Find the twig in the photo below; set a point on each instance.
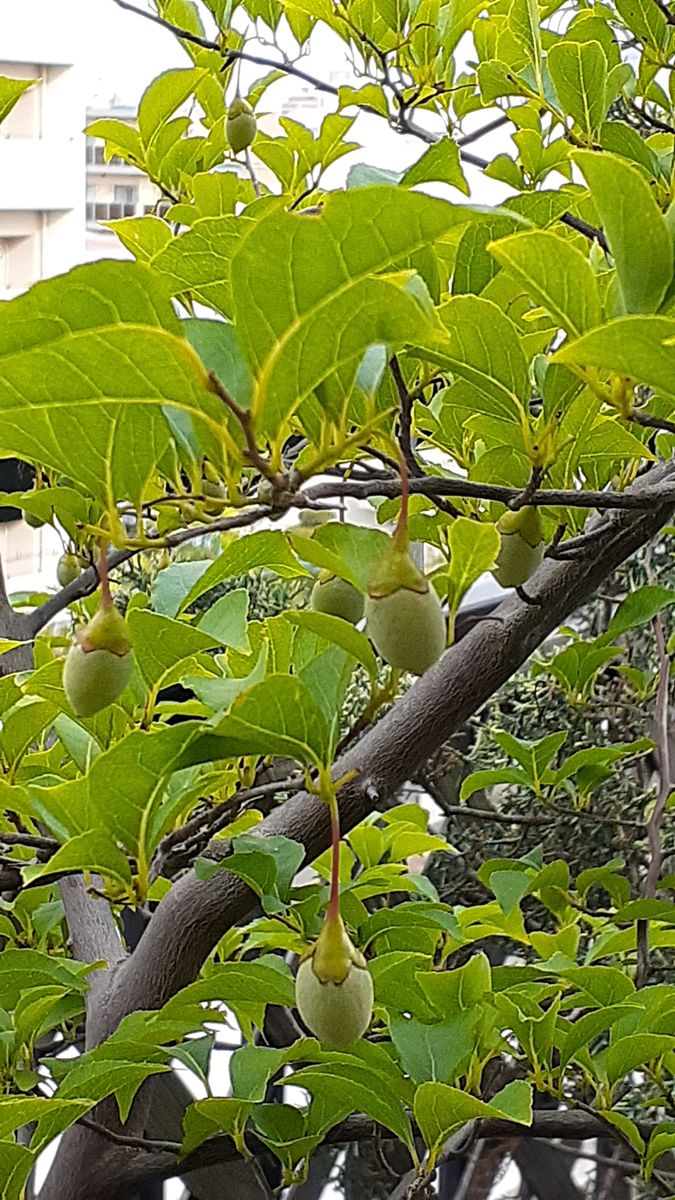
(151, 1145)
(467, 138)
(603, 1160)
(207, 44)
(432, 486)
(244, 418)
(29, 839)
(650, 422)
(588, 231)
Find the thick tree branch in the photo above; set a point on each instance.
(93, 936)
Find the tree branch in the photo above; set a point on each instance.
(572, 1125)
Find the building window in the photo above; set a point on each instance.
(125, 194)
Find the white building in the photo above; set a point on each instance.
(42, 209)
(42, 158)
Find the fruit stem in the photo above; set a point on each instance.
(327, 792)
(400, 537)
(106, 598)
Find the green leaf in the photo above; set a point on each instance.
(89, 361)
(360, 1089)
(632, 1052)
(267, 548)
(640, 347)
(267, 864)
(160, 643)
(638, 237)
(473, 550)
(92, 851)
(279, 716)
(434, 1053)
(441, 1110)
(144, 237)
(50, 1116)
(579, 74)
(636, 609)
(205, 1119)
(478, 780)
(226, 621)
(483, 348)
(440, 162)
(217, 345)
(12, 90)
(161, 99)
(556, 275)
(300, 326)
(342, 633)
(16, 1164)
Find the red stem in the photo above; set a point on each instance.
(106, 598)
(401, 531)
(333, 910)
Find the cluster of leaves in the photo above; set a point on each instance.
(525, 345)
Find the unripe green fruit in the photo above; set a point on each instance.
(98, 665)
(67, 569)
(215, 490)
(405, 621)
(240, 127)
(407, 628)
(32, 520)
(522, 546)
(336, 1013)
(337, 597)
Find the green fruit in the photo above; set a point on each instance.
(522, 546)
(337, 597)
(98, 665)
(215, 490)
(240, 126)
(68, 569)
(32, 520)
(336, 1013)
(333, 988)
(405, 621)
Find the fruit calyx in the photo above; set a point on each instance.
(107, 630)
(334, 954)
(525, 521)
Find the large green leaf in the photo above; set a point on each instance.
(579, 74)
(89, 361)
(638, 236)
(640, 347)
(161, 644)
(267, 548)
(310, 297)
(279, 716)
(441, 1110)
(556, 276)
(483, 349)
